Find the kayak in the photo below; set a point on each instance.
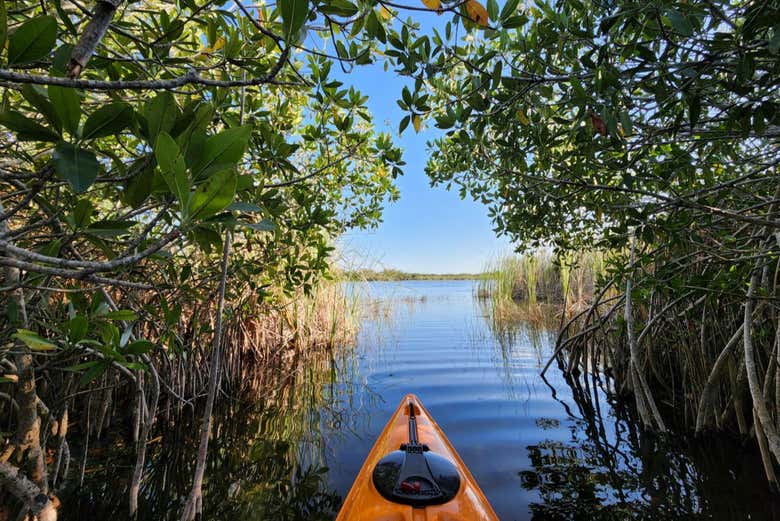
(414, 474)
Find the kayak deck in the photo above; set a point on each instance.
(365, 503)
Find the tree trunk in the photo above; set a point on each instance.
(194, 505)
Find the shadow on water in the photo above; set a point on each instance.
(610, 469)
(263, 461)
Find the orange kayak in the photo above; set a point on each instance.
(413, 474)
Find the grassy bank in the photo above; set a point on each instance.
(541, 278)
(393, 275)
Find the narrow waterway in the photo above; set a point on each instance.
(540, 449)
(553, 449)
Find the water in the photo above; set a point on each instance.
(552, 449)
(539, 449)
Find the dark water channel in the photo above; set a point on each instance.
(540, 449)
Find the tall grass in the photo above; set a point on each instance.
(388, 274)
(284, 328)
(541, 278)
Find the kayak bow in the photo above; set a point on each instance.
(413, 474)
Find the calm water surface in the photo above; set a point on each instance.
(539, 449)
(550, 449)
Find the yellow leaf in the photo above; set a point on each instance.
(33, 341)
(220, 43)
(385, 13)
(432, 4)
(416, 123)
(477, 12)
(522, 117)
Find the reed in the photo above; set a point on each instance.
(541, 278)
(388, 274)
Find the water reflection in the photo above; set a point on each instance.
(556, 449)
(610, 469)
(264, 456)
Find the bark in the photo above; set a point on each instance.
(710, 388)
(27, 439)
(644, 397)
(92, 35)
(151, 412)
(756, 391)
(191, 77)
(36, 503)
(194, 505)
(766, 457)
(62, 431)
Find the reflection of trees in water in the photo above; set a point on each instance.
(611, 470)
(519, 334)
(261, 463)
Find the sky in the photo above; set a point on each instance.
(428, 230)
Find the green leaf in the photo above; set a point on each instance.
(404, 123)
(33, 341)
(241, 206)
(82, 213)
(294, 13)
(67, 106)
(77, 328)
(492, 9)
(36, 97)
(625, 121)
(774, 43)
(61, 59)
(161, 113)
(207, 239)
(33, 40)
(510, 9)
(339, 8)
(110, 228)
(139, 187)
(222, 151)
(374, 27)
(172, 168)
(514, 22)
(121, 314)
(139, 347)
(108, 120)
(95, 371)
(81, 366)
(26, 129)
(135, 366)
(266, 225)
(214, 196)
(680, 22)
(79, 167)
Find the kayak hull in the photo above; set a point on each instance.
(365, 503)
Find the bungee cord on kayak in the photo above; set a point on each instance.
(414, 475)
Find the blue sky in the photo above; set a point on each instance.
(428, 230)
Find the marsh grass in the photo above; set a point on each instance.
(277, 333)
(388, 274)
(538, 280)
